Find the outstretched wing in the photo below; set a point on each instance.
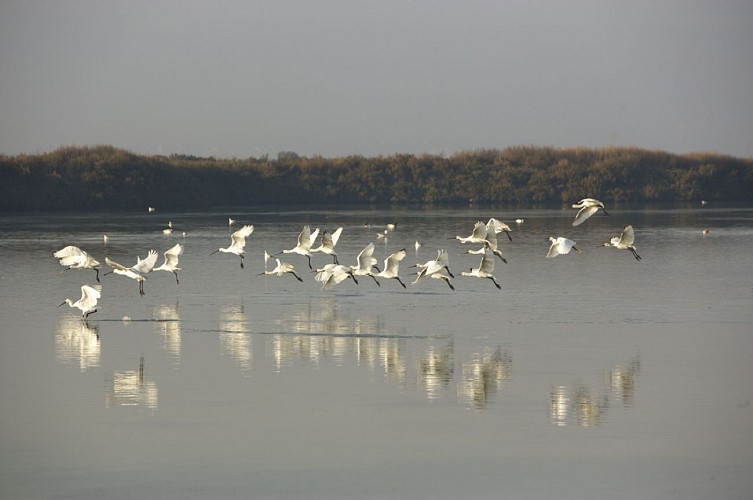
(146, 265)
(583, 214)
(365, 259)
(497, 226)
(114, 264)
(70, 256)
(335, 236)
(238, 238)
(392, 263)
(628, 236)
(171, 255)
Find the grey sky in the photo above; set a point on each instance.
(335, 77)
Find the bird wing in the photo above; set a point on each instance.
(89, 294)
(68, 251)
(392, 263)
(487, 263)
(171, 255)
(491, 240)
(238, 238)
(336, 236)
(442, 259)
(479, 231)
(565, 245)
(304, 237)
(312, 238)
(497, 226)
(71, 256)
(147, 264)
(628, 236)
(365, 258)
(553, 249)
(115, 265)
(583, 214)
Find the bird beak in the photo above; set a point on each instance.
(214, 252)
(62, 304)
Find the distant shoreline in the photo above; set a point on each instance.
(104, 177)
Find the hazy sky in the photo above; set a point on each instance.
(335, 77)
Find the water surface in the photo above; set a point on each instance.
(588, 375)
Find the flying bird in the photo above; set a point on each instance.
(588, 207)
(282, 268)
(497, 227)
(132, 272)
(625, 241)
(74, 258)
(332, 274)
(391, 267)
(237, 242)
(305, 239)
(328, 242)
(560, 246)
(171, 261)
(484, 270)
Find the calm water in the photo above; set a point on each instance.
(587, 376)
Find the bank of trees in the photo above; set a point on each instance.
(75, 178)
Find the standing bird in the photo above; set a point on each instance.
(74, 258)
(625, 241)
(237, 242)
(171, 261)
(560, 246)
(484, 270)
(366, 262)
(588, 207)
(329, 240)
(88, 301)
(282, 268)
(305, 239)
(391, 267)
(127, 272)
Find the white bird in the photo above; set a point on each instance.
(169, 228)
(332, 274)
(588, 207)
(237, 242)
(88, 301)
(74, 258)
(230, 221)
(151, 209)
(366, 262)
(128, 272)
(477, 236)
(417, 245)
(484, 270)
(491, 244)
(105, 238)
(560, 246)
(435, 269)
(391, 267)
(328, 243)
(146, 265)
(625, 241)
(519, 221)
(391, 227)
(498, 227)
(171, 261)
(305, 239)
(282, 268)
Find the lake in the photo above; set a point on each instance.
(587, 376)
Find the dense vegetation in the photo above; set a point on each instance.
(75, 178)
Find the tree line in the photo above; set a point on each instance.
(105, 177)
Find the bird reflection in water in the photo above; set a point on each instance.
(483, 376)
(589, 406)
(234, 335)
(436, 369)
(622, 380)
(168, 325)
(76, 342)
(133, 388)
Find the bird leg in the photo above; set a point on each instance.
(375, 280)
(495, 282)
(141, 288)
(635, 254)
(400, 281)
(296, 276)
(97, 271)
(241, 261)
(176, 278)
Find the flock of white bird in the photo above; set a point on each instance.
(485, 234)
